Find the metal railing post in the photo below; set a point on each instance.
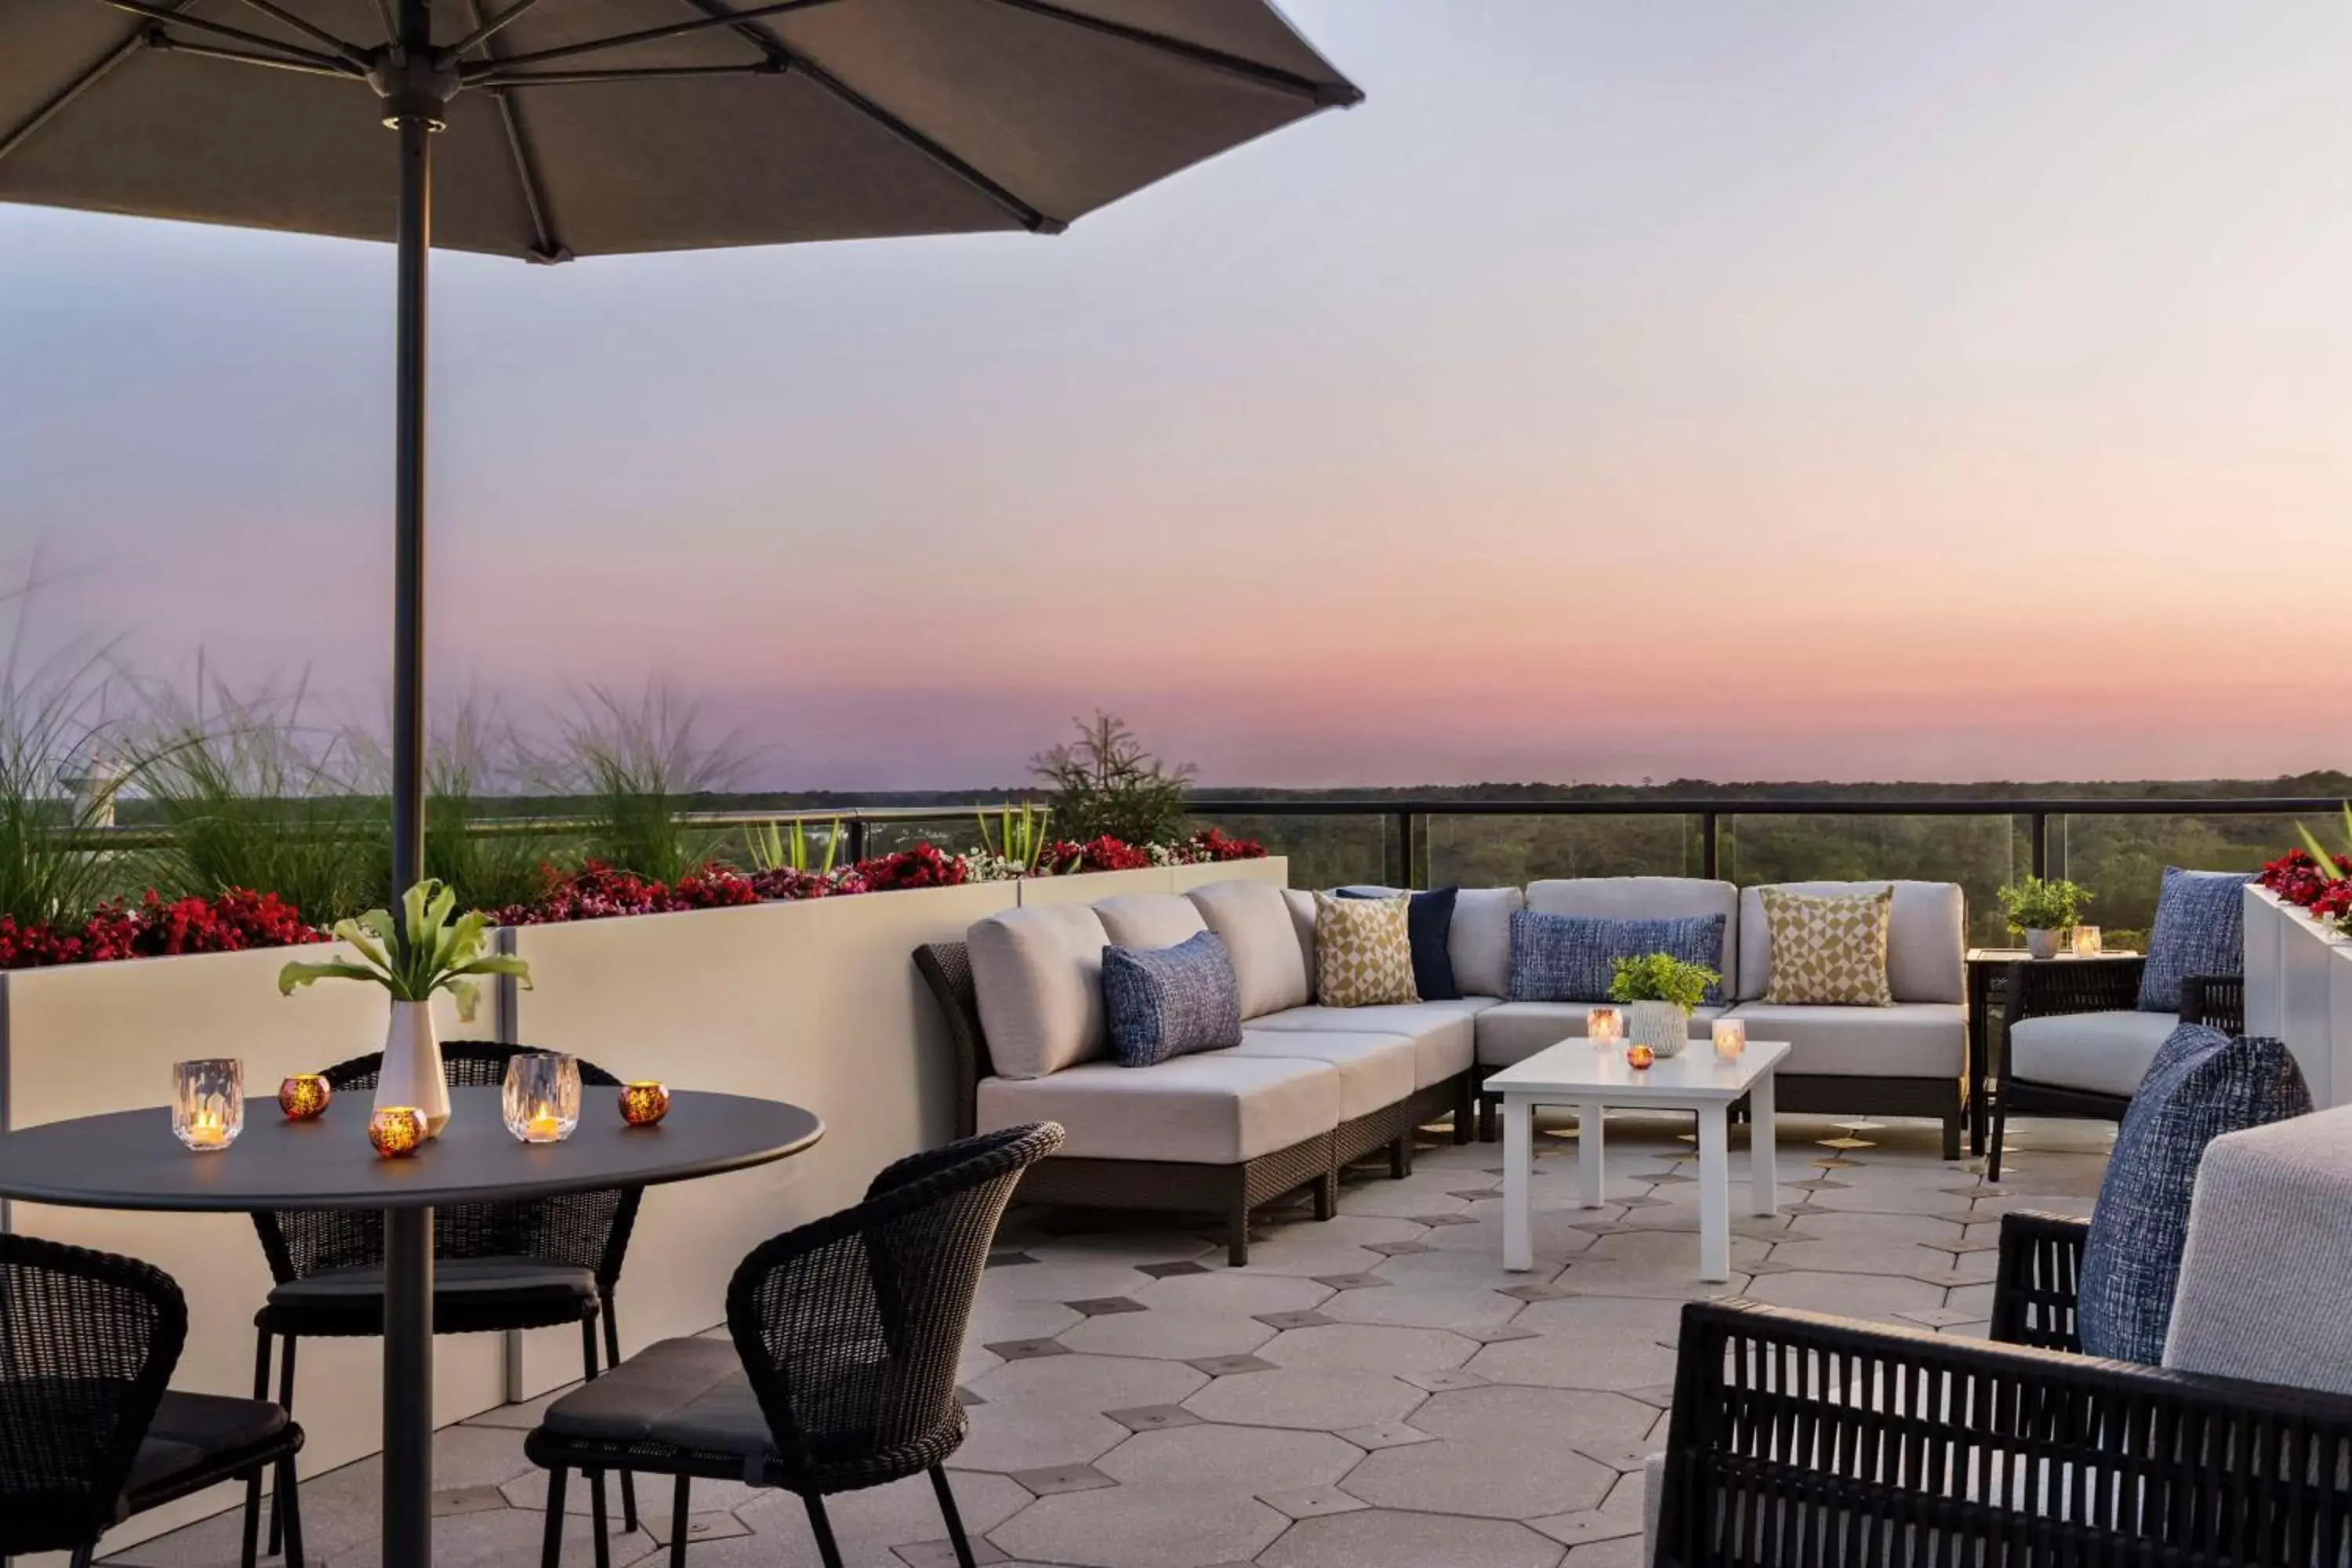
(1710, 847)
(855, 833)
(2037, 833)
(1416, 849)
(1396, 850)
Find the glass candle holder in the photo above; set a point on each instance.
(541, 1097)
(1639, 1057)
(643, 1103)
(1730, 1038)
(303, 1097)
(2087, 941)
(1605, 1026)
(208, 1102)
(397, 1130)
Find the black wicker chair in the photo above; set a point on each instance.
(2022, 1451)
(843, 1370)
(89, 1433)
(497, 1267)
(2091, 986)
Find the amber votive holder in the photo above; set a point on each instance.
(643, 1103)
(1639, 1057)
(396, 1130)
(303, 1097)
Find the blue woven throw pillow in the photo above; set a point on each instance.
(2201, 929)
(1165, 1002)
(2201, 1084)
(1572, 958)
(1429, 927)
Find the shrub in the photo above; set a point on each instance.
(922, 866)
(1105, 785)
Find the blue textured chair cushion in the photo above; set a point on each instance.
(2201, 929)
(1429, 926)
(2201, 1084)
(1572, 958)
(1164, 1002)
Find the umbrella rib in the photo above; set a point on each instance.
(163, 43)
(341, 48)
(628, 73)
(65, 96)
(484, 31)
(1027, 217)
(154, 13)
(646, 35)
(519, 145)
(1323, 93)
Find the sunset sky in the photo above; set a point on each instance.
(1838, 391)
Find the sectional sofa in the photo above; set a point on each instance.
(1312, 1089)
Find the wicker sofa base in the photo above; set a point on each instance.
(1175, 1187)
(1827, 1094)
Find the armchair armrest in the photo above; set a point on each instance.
(2033, 1293)
(2047, 989)
(2218, 1001)
(1797, 1438)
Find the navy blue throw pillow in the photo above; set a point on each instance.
(2201, 1084)
(1429, 926)
(1165, 1002)
(1572, 958)
(2201, 929)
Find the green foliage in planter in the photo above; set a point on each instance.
(487, 863)
(1020, 836)
(2036, 903)
(1661, 977)
(636, 768)
(1105, 782)
(2321, 852)
(51, 726)
(787, 848)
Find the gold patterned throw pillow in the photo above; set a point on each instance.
(1363, 953)
(1828, 948)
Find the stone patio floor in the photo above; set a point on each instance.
(1371, 1390)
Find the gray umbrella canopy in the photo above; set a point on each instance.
(587, 127)
(553, 129)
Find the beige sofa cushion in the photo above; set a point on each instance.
(1910, 1039)
(1302, 921)
(1218, 1108)
(1375, 1071)
(1480, 940)
(2107, 1053)
(1518, 1030)
(1644, 899)
(1442, 1033)
(1925, 939)
(1038, 975)
(1140, 921)
(1254, 920)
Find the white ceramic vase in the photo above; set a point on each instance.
(411, 1071)
(2041, 943)
(1661, 1026)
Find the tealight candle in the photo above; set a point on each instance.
(1605, 1026)
(542, 1097)
(1730, 1037)
(396, 1130)
(544, 1127)
(304, 1096)
(1639, 1057)
(643, 1103)
(205, 1130)
(208, 1103)
(2087, 941)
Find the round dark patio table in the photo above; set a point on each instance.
(130, 1160)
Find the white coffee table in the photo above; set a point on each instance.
(1576, 1073)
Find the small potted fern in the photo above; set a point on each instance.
(1659, 990)
(2043, 909)
(424, 951)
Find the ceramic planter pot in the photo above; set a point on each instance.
(412, 1073)
(2041, 943)
(1661, 1026)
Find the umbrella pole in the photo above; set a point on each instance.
(415, 232)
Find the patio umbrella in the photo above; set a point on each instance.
(552, 128)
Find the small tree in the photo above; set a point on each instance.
(1104, 781)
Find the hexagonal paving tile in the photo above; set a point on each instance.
(1234, 1292)
(1394, 1539)
(1321, 1401)
(1168, 1336)
(1141, 1526)
(1847, 1295)
(1081, 1382)
(869, 1523)
(1367, 1347)
(1422, 1306)
(1025, 1438)
(1242, 1458)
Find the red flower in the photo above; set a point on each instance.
(1214, 844)
(231, 922)
(920, 866)
(784, 882)
(2298, 879)
(1064, 858)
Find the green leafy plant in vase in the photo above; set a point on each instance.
(1658, 991)
(2043, 909)
(431, 948)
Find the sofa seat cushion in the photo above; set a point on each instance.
(1910, 1039)
(1442, 1033)
(1376, 1071)
(1518, 1030)
(1150, 919)
(1254, 920)
(1215, 1109)
(2104, 1053)
(1037, 975)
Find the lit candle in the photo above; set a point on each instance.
(1639, 1057)
(544, 1127)
(643, 1103)
(396, 1130)
(1605, 1026)
(2087, 941)
(207, 1129)
(1730, 1037)
(303, 1096)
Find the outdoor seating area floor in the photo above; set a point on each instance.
(1373, 1389)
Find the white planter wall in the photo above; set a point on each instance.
(88, 1038)
(2299, 989)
